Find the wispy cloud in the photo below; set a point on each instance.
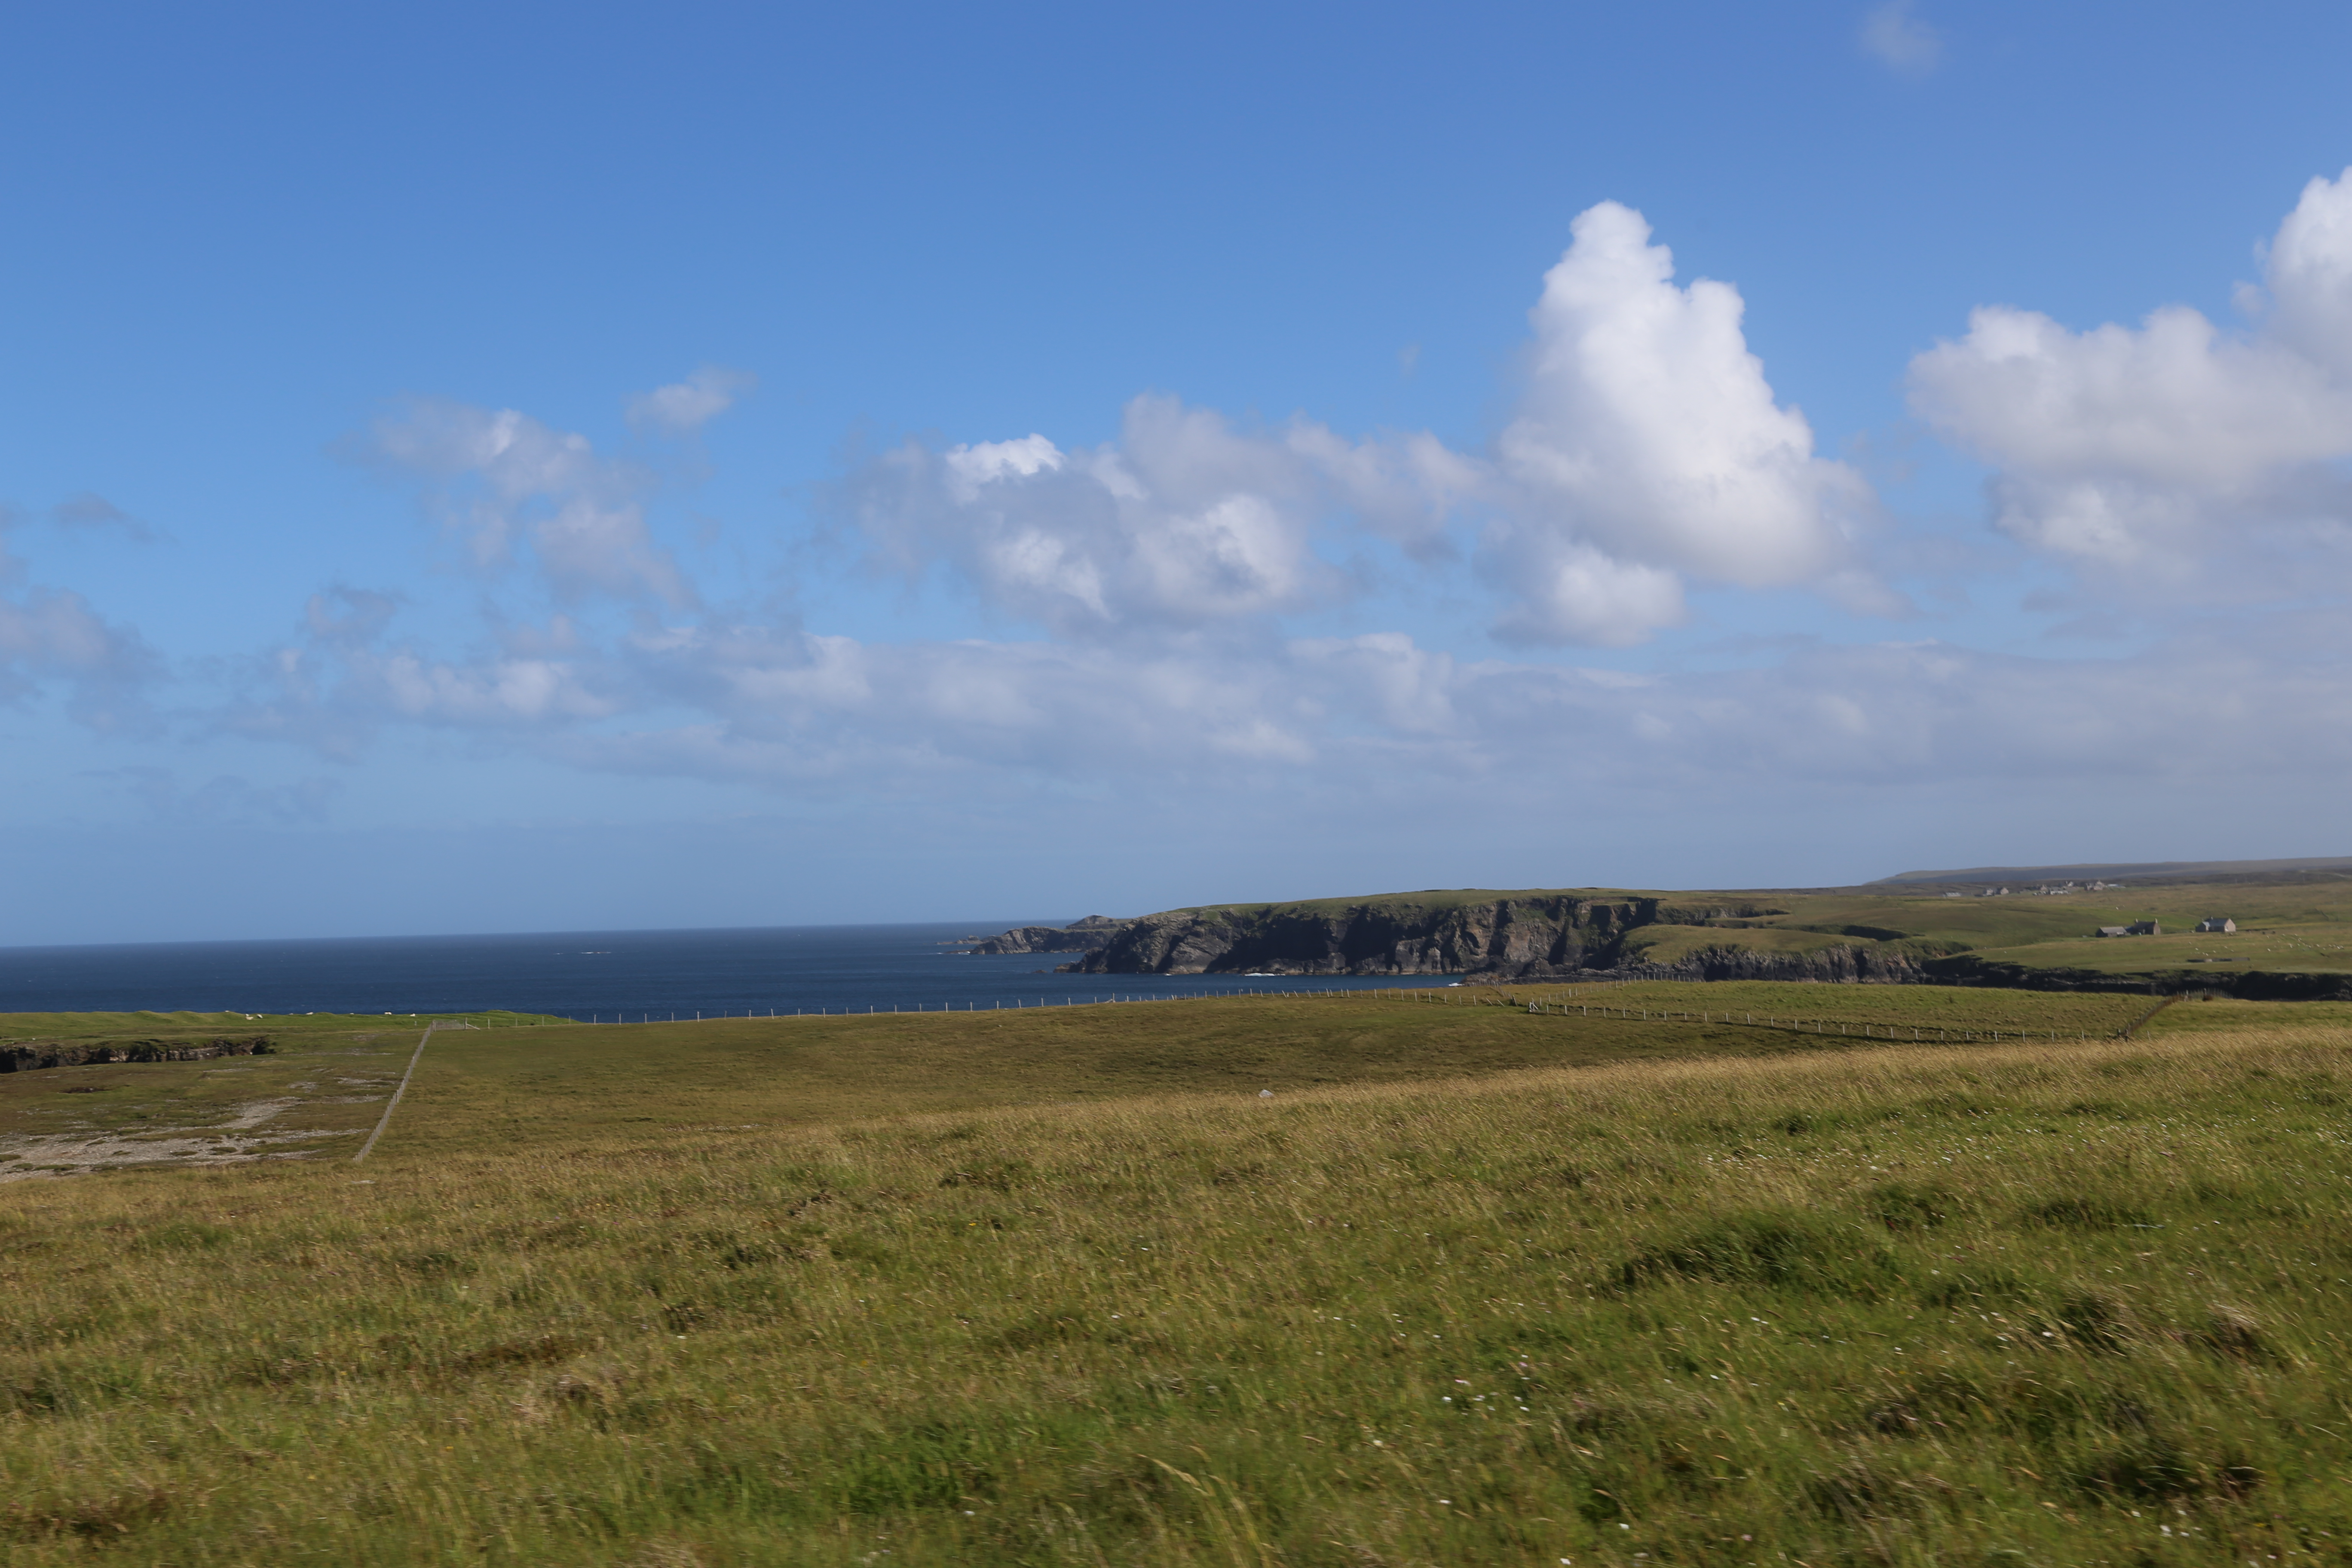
(823, 716)
(52, 638)
(224, 798)
(50, 635)
(87, 509)
(506, 486)
(1898, 38)
(686, 406)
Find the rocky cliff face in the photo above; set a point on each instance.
(1563, 936)
(2250, 984)
(1079, 936)
(1519, 938)
(1829, 965)
(28, 1056)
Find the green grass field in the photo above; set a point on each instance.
(21, 1027)
(2309, 948)
(2295, 928)
(1472, 1286)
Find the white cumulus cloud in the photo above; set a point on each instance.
(1183, 523)
(1564, 591)
(1647, 450)
(2310, 274)
(2143, 448)
(1649, 445)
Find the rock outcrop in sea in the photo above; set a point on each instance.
(1079, 936)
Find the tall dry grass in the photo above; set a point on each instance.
(1901, 1306)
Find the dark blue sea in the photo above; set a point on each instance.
(587, 974)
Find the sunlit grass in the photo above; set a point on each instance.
(1898, 1305)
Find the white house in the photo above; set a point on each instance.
(2217, 922)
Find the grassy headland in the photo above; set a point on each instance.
(1475, 1286)
(2294, 938)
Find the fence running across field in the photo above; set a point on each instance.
(1910, 1033)
(1478, 996)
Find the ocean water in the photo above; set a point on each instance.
(588, 974)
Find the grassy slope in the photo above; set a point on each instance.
(1889, 1306)
(592, 1081)
(1665, 943)
(821, 1070)
(2311, 948)
(2252, 870)
(2296, 929)
(317, 1091)
(17, 1027)
(1426, 898)
(125, 1025)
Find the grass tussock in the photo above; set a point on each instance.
(1900, 1305)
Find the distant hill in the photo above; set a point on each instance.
(2163, 870)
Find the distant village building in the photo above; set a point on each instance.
(2144, 928)
(2217, 922)
(2112, 930)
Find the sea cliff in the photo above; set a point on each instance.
(1078, 936)
(1518, 936)
(1838, 965)
(30, 1055)
(1835, 936)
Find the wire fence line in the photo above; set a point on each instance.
(1917, 1034)
(877, 1009)
(1474, 995)
(393, 1104)
(1422, 995)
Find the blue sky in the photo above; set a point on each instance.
(502, 467)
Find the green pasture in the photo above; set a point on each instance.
(1426, 898)
(1948, 1010)
(2297, 929)
(1954, 924)
(2293, 949)
(17, 1028)
(324, 1078)
(1473, 1284)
